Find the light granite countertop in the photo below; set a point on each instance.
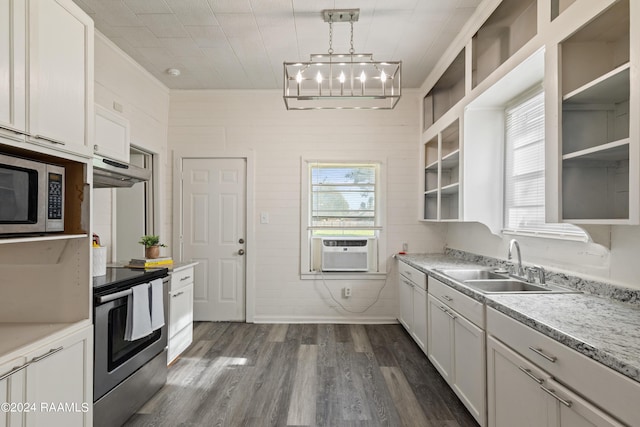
(603, 329)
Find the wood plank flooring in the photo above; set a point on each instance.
(245, 375)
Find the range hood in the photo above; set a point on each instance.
(109, 173)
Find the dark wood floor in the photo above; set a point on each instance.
(238, 374)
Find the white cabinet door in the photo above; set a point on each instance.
(513, 389)
(405, 297)
(59, 378)
(180, 309)
(419, 332)
(567, 409)
(111, 134)
(60, 76)
(469, 366)
(440, 338)
(12, 69)
(12, 392)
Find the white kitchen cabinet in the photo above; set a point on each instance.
(520, 393)
(112, 134)
(457, 346)
(12, 391)
(412, 297)
(59, 379)
(60, 76)
(13, 64)
(180, 311)
(554, 374)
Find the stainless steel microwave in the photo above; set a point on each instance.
(31, 196)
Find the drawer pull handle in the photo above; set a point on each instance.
(530, 375)
(47, 354)
(16, 131)
(13, 371)
(450, 314)
(178, 294)
(539, 352)
(185, 278)
(447, 298)
(408, 283)
(442, 308)
(54, 141)
(566, 403)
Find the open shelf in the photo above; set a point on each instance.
(510, 26)
(611, 152)
(450, 189)
(446, 93)
(611, 88)
(8, 240)
(431, 206)
(451, 160)
(559, 6)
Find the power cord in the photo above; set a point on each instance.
(386, 279)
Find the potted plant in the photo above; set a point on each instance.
(151, 245)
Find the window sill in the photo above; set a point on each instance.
(343, 276)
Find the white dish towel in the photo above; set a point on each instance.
(138, 315)
(157, 304)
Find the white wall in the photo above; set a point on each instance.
(257, 121)
(145, 103)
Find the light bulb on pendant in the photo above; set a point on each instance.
(299, 77)
(342, 78)
(319, 80)
(383, 79)
(363, 78)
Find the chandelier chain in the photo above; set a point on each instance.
(331, 36)
(351, 50)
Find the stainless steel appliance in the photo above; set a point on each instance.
(126, 373)
(31, 196)
(108, 173)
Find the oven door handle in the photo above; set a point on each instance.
(114, 296)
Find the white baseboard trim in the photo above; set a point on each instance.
(325, 319)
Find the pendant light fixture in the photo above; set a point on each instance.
(342, 81)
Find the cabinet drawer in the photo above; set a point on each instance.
(466, 306)
(180, 309)
(606, 388)
(181, 278)
(413, 274)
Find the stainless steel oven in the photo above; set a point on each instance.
(126, 373)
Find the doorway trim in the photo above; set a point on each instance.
(250, 258)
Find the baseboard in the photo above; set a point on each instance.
(383, 320)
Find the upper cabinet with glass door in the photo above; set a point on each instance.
(599, 120)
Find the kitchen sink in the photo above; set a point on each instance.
(472, 274)
(488, 282)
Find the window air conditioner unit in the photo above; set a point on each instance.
(345, 254)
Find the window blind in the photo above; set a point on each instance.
(343, 196)
(524, 171)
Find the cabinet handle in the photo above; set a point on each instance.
(566, 403)
(178, 294)
(451, 315)
(185, 278)
(54, 141)
(530, 375)
(539, 352)
(447, 298)
(16, 131)
(47, 354)
(13, 371)
(442, 308)
(408, 283)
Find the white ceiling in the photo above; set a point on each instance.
(241, 44)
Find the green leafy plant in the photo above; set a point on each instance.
(151, 240)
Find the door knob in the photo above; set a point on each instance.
(241, 252)
(241, 241)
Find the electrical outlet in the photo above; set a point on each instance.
(405, 247)
(347, 292)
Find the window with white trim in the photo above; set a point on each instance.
(342, 204)
(524, 198)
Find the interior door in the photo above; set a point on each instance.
(213, 234)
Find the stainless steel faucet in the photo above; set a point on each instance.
(515, 243)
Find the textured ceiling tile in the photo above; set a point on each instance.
(312, 6)
(183, 46)
(238, 24)
(163, 25)
(210, 36)
(271, 6)
(147, 6)
(230, 6)
(138, 36)
(193, 12)
(116, 14)
(159, 57)
(85, 6)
